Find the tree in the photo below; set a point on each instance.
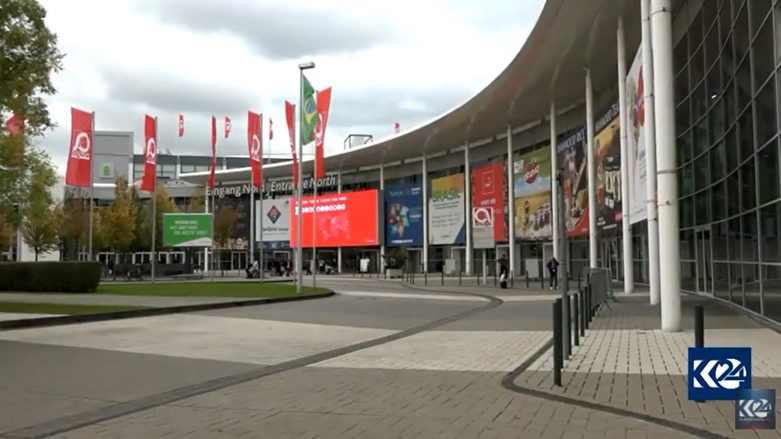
(117, 220)
(224, 221)
(197, 201)
(39, 228)
(28, 57)
(73, 219)
(164, 204)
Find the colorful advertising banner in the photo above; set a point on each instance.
(488, 190)
(636, 140)
(275, 220)
(607, 143)
(571, 149)
(404, 215)
(446, 210)
(349, 219)
(239, 238)
(533, 195)
(187, 230)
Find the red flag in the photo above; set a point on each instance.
(255, 145)
(290, 111)
(323, 106)
(214, 152)
(79, 170)
(396, 128)
(15, 125)
(270, 129)
(227, 126)
(181, 125)
(150, 154)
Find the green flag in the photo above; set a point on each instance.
(309, 113)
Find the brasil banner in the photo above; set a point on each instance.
(187, 230)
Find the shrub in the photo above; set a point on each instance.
(50, 277)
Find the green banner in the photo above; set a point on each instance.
(187, 230)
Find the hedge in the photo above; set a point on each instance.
(50, 277)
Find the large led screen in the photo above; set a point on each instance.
(348, 219)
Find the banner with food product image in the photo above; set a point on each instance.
(404, 215)
(533, 195)
(446, 210)
(488, 191)
(636, 140)
(607, 144)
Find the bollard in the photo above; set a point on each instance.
(512, 278)
(425, 278)
(558, 359)
(579, 276)
(582, 304)
(494, 277)
(542, 281)
(443, 276)
(459, 278)
(575, 318)
(699, 326)
(527, 279)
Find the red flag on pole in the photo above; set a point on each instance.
(227, 126)
(255, 146)
(181, 125)
(79, 171)
(150, 154)
(15, 125)
(290, 111)
(214, 152)
(396, 128)
(323, 106)
(270, 129)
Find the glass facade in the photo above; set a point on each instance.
(727, 82)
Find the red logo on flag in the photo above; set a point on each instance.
(227, 126)
(181, 125)
(150, 153)
(396, 128)
(15, 125)
(79, 171)
(270, 129)
(255, 146)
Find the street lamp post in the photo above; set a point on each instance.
(300, 249)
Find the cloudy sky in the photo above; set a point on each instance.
(404, 61)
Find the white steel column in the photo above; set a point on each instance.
(669, 245)
(629, 275)
(650, 154)
(339, 249)
(554, 169)
(592, 174)
(382, 247)
(468, 207)
(425, 214)
(510, 202)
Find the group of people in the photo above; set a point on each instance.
(286, 268)
(552, 266)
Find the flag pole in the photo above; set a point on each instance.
(260, 210)
(91, 184)
(314, 227)
(213, 210)
(154, 210)
(300, 249)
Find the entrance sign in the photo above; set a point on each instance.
(187, 230)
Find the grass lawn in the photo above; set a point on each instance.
(207, 289)
(58, 308)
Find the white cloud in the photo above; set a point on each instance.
(404, 61)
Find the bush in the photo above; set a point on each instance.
(50, 277)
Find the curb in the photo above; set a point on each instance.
(149, 312)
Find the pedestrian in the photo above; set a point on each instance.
(503, 272)
(553, 271)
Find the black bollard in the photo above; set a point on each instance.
(443, 276)
(575, 319)
(425, 278)
(527, 279)
(542, 281)
(494, 277)
(558, 353)
(699, 326)
(582, 304)
(459, 278)
(579, 275)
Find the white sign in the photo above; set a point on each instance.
(635, 123)
(483, 227)
(275, 217)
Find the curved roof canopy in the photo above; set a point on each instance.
(569, 36)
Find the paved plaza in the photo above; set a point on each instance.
(379, 360)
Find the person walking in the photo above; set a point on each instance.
(553, 271)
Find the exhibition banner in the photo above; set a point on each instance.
(404, 215)
(187, 230)
(636, 140)
(488, 191)
(533, 195)
(571, 150)
(349, 219)
(446, 210)
(275, 220)
(239, 237)
(607, 143)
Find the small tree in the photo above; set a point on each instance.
(197, 201)
(143, 225)
(117, 220)
(39, 228)
(224, 221)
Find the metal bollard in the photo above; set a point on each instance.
(558, 359)
(699, 326)
(527, 278)
(542, 281)
(425, 278)
(575, 318)
(494, 277)
(579, 276)
(459, 278)
(443, 276)
(582, 304)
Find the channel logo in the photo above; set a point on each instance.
(716, 373)
(755, 409)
